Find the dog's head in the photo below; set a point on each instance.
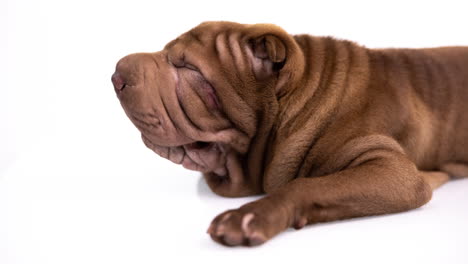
(209, 98)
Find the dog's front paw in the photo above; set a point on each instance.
(239, 227)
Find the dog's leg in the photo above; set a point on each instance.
(435, 178)
(455, 170)
(377, 182)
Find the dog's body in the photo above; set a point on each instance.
(328, 129)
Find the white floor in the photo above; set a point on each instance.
(77, 184)
(110, 206)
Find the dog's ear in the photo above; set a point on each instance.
(269, 54)
(269, 47)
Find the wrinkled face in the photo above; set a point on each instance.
(199, 101)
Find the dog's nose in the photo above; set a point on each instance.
(118, 81)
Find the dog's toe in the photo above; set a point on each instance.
(237, 227)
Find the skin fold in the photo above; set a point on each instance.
(328, 129)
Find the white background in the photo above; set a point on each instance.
(78, 186)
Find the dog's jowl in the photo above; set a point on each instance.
(328, 129)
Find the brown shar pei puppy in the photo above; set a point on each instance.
(326, 128)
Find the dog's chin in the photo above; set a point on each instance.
(205, 157)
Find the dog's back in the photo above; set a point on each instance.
(432, 87)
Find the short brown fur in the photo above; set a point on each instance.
(327, 128)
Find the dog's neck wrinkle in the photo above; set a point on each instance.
(322, 82)
(329, 69)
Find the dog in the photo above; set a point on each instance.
(327, 128)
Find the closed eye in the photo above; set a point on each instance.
(182, 63)
(191, 67)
